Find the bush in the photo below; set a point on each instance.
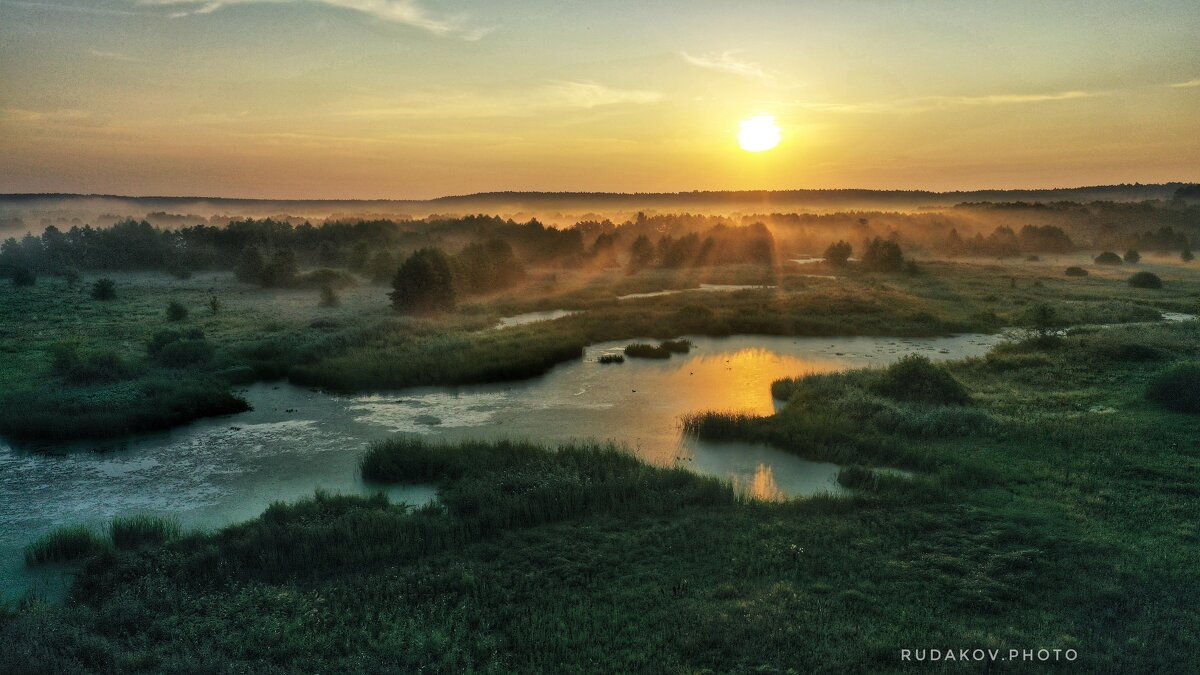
(179, 349)
(63, 545)
(1076, 272)
(1177, 389)
(1132, 257)
(1108, 258)
(23, 276)
(104, 289)
(99, 366)
(1145, 280)
(328, 297)
(611, 358)
(1186, 255)
(176, 311)
(320, 278)
(916, 378)
(141, 530)
(880, 255)
(837, 254)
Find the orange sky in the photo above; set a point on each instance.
(418, 98)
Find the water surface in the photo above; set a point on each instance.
(297, 440)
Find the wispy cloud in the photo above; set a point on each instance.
(930, 103)
(112, 56)
(730, 63)
(1185, 85)
(406, 12)
(556, 95)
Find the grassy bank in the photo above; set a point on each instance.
(1053, 507)
(361, 344)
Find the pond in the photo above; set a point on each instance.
(297, 440)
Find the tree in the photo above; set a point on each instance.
(281, 271)
(250, 266)
(1132, 257)
(328, 297)
(882, 256)
(104, 289)
(1186, 255)
(23, 276)
(176, 311)
(214, 304)
(424, 283)
(382, 267)
(641, 254)
(1145, 280)
(1108, 258)
(838, 253)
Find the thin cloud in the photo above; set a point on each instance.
(556, 95)
(930, 103)
(1185, 85)
(112, 56)
(406, 12)
(728, 62)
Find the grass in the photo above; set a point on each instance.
(1177, 389)
(135, 531)
(65, 544)
(611, 358)
(362, 345)
(1032, 522)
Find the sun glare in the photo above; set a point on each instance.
(759, 133)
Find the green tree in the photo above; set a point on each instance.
(176, 311)
(23, 276)
(104, 289)
(880, 255)
(424, 283)
(838, 253)
(250, 266)
(641, 254)
(281, 271)
(1132, 257)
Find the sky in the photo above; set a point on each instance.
(421, 98)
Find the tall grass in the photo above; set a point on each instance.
(141, 530)
(64, 544)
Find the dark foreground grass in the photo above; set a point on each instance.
(57, 413)
(1040, 524)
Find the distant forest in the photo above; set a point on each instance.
(376, 248)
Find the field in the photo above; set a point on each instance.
(1050, 504)
(116, 386)
(1063, 518)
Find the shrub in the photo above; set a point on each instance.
(916, 378)
(63, 545)
(1186, 255)
(1177, 389)
(1132, 351)
(611, 358)
(140, 530)
(23, 276)
(176, 311)
(880, 255)
(328, 297)
(104, 289)
(103, 365)
(1108, 258)
(1076, 272)
(214, 304)
(320, 278)
(1132, 257)
(179, 349)
(838, 253)
(1145, 280)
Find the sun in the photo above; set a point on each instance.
(759, 133)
